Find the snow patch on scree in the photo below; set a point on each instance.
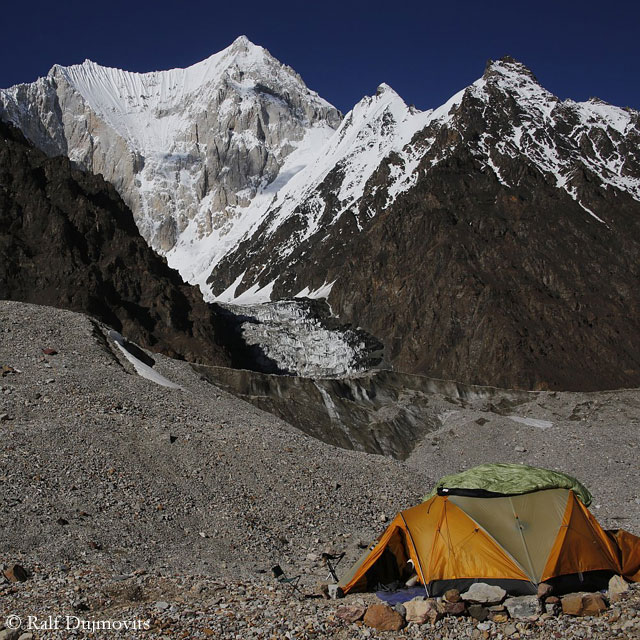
(143, 370)
(532, 422)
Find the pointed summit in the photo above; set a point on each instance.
(507, 67)
(384, 88)
(243, 46)
(242, 42)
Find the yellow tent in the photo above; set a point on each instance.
(515, 541)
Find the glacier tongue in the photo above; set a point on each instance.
(300, 337)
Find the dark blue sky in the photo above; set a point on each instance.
(426, 51)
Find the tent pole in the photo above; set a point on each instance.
(424, 582)
(524, 543)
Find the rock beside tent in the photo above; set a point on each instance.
(485, 611)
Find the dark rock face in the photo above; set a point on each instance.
(512, 259)
(510, 287)
(67, 240)
(380, 412)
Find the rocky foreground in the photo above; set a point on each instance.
(126, 500)
(84, 601)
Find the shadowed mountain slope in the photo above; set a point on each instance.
(68, 240)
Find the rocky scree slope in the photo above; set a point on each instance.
(101, 466)
(491, 241)
(188, 149)
(174, 503)
(68, 240)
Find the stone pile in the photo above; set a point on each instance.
(491, 613)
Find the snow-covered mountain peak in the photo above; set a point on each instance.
(134, 103)
(507, 115)
(375, 127)
(381, 112)
(507, 67)
(187, 147)
(384, 88)
(234, 165)
(242, 42)
(514, 78)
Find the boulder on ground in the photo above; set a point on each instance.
(420, 611)
(618, 585)
(16, 573)
(351, 613)
(583, 604)
(478, 612)
(483, 593)
(523, 607)
(452, 595)
(452, 608)
(594, 604)
(544, 590)
(383, 618)
(572, 604)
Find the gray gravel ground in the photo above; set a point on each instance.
(108, 479)
(100, 464)
(182, 606)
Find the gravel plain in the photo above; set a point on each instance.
(120, 496)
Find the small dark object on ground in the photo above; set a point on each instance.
(331, 561)
(280, 576)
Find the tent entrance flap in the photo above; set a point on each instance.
(385, 564)
(391, 566)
